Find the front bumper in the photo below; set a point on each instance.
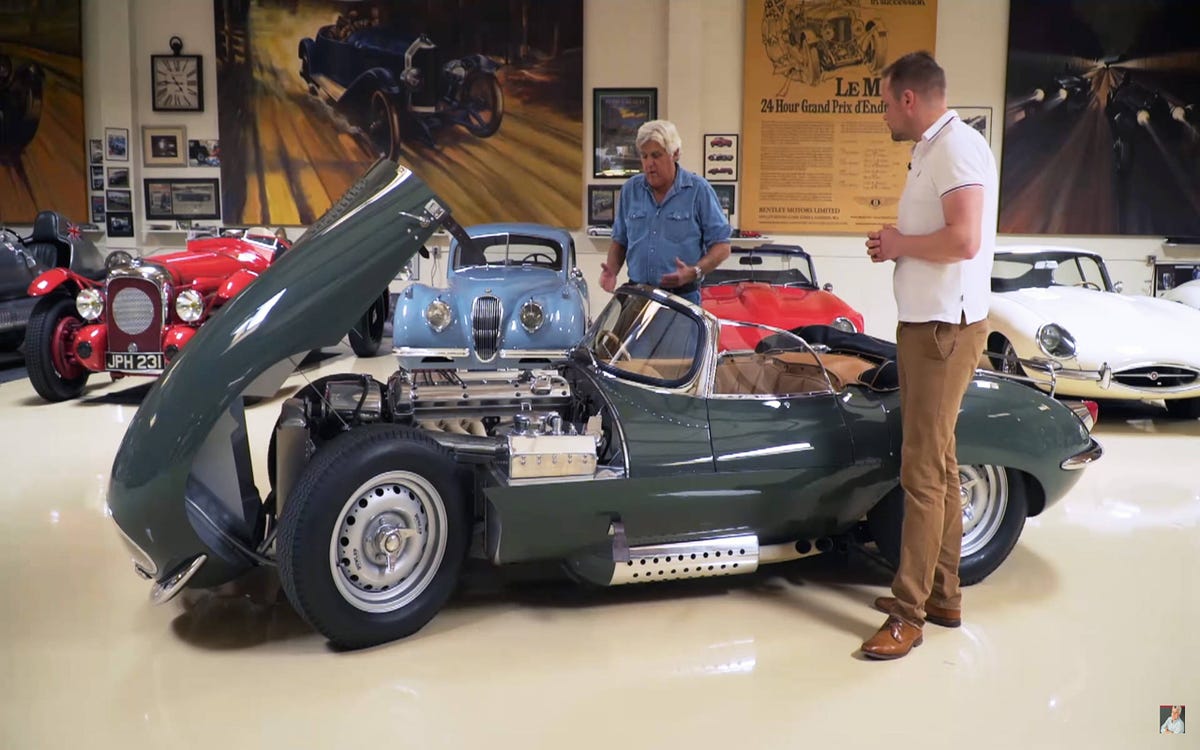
(1085, 457)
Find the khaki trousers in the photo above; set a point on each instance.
(936, 363)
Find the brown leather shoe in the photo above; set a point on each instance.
(947, 618)
(895, 639)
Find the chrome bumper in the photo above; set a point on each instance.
(533, 353)
(166, 589)
(1089, 455)
(414, 351)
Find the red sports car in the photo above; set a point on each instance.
(785, 295)
(138, 318)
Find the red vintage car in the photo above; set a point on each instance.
(134, 321)
(783, 293)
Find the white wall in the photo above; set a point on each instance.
(690, 50)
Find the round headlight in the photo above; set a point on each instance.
(437, 314)
(842, 323)
(189, 306)
(89, 303)
(532, 316)
(1054, 340)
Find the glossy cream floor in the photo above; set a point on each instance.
(1075, 642)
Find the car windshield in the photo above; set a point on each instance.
(509, 250)
(784, 269)
(646, 340)
(1012, 271)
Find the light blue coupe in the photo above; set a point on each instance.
(516, 298)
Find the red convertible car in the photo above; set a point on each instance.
(786, 295)
(135, 320)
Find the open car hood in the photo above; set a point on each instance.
(307, 299)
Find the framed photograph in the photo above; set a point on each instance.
(204, 153)
(116, 144)
(602, 204)
(164, 146)
(727, 197)
(197, 198)
(617, 115)
(979, 118)
(95, 150)
(177, 80)
(118, 177)
(120, 224)
(411, 270)
(97, 209)
(97, 177)
(119, 200)
(721, 157)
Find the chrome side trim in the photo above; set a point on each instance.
(519, 353)
(416, 351)
(1080, 460)
(724, 556)
(166, 590)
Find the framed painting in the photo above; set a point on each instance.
(617, 114)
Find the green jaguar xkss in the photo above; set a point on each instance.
(647, 455)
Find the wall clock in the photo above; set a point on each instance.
(177, 81)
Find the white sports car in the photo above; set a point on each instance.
(1057, 320)
(1188, 294)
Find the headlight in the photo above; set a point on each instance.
(532, 316)
(1055, 341)
(842, 323)
(89, 303)
(189, 306)
(438, 315)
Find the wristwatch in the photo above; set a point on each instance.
(699, 273)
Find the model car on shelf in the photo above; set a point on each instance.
(393, 83)
(514, 296)
(1057, 319)
(647, 455)
(53, 243)
(135, 318)
(775, 285)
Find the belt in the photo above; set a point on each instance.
(680, 290)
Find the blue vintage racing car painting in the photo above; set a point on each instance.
(391, 84)
(516, 298)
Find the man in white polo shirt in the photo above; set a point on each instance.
(943, 244)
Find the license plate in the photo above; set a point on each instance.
(134, 361)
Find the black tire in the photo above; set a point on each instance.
(484, 102)
(40, 344)
(371, 477)
(999, 526)
(383, 125)
(1184, 408)
(366, 337)
(1005, 358)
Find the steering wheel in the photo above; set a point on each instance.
(1090, 285)
(531, 258)
(609, 345)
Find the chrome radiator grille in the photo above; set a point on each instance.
(1156, 376)
(134, 304)
(486, 314)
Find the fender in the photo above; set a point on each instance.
(234, 285)
(55, 278)
(374, 79)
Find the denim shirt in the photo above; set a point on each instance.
(685, 226)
